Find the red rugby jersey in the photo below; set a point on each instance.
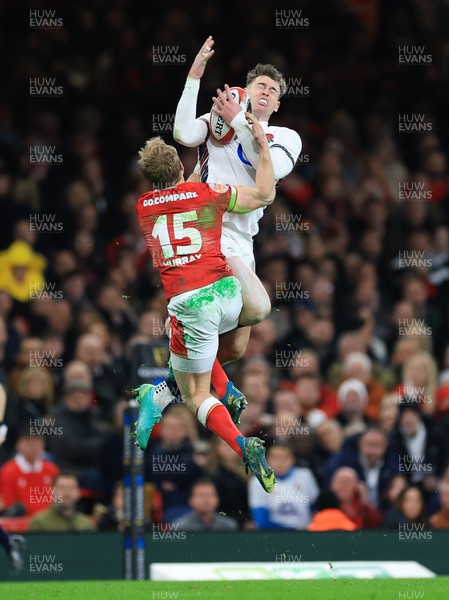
(33, 488)
(182, 229)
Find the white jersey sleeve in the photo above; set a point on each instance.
(188, 130)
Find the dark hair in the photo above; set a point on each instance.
(202, 481)
(63, 474)
(25, 432)
(267, 71)
(283, 445)
(421, 517)
(374, 428)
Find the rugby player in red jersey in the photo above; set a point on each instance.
(182, 225)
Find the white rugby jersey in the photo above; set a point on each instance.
(289, 504)
(228, 163)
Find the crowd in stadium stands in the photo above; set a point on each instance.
(347, 380)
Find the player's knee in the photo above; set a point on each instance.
(233, 351)
(263, 310)
(252, 315)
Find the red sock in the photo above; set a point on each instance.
(219, 379)
(219, 421)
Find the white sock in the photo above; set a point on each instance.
(205, 408)
(162, 395)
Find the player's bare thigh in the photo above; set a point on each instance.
(256, 302)
(232, 345)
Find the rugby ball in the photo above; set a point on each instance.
(219, 130)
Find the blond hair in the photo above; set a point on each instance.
(267, 71)
(27, 374)
(432, 376)
(159, 163)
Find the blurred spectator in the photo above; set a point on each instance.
(329, 516)
(225, 468)
(329, 441)
(113, 519)
(34, 400)
(395, 486)
(170, 464)
(31, 348)
(368, 454)
(418, 445)
(420, 381)
(440, 520)
(353, 499)
(358, 365)
(376, 347)
(353, 399)
(78, 438)
(63, 514)
(403, 349)
(107, 378)
(77, 371)
(203, 501)
(307, 361)
(349, 343)
(21, 271)
(289, 506)
(389, 410)
(307, 388)
(26, 480)
(115, 310)
(409, 510)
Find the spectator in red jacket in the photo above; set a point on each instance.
(26, 480)
(353, 499)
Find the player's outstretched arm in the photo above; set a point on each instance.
(250, 198)
(188, 130)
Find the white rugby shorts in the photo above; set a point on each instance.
(234, 243)
(197, 318)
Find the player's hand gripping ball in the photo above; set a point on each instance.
(220, 131)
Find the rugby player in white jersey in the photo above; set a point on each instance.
(235, 163)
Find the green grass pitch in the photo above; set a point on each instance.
(338, 589)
